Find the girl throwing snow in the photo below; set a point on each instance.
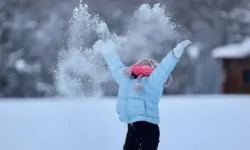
(140, 89)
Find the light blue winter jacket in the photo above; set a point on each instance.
(135, 106)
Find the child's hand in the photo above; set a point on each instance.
(184, 44)
(178, 50)
(104, 47)
(103, 31)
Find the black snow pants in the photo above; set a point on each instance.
(142, 136)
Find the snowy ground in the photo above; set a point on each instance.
(187, 123)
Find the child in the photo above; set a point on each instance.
(139, 95)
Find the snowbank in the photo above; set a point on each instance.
(240, 50)
(187, 123)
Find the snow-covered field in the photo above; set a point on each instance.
(187, 123)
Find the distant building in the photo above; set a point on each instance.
(236, 65)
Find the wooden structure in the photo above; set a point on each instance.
(237, 75)
(236, 65)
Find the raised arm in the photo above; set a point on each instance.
(116, 66)
(160, 74)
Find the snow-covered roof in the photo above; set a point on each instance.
(233, 51)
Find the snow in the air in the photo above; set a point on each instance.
(193, 52)
(148, 29)
(187, 123)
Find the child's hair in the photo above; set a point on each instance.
(152, 62)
